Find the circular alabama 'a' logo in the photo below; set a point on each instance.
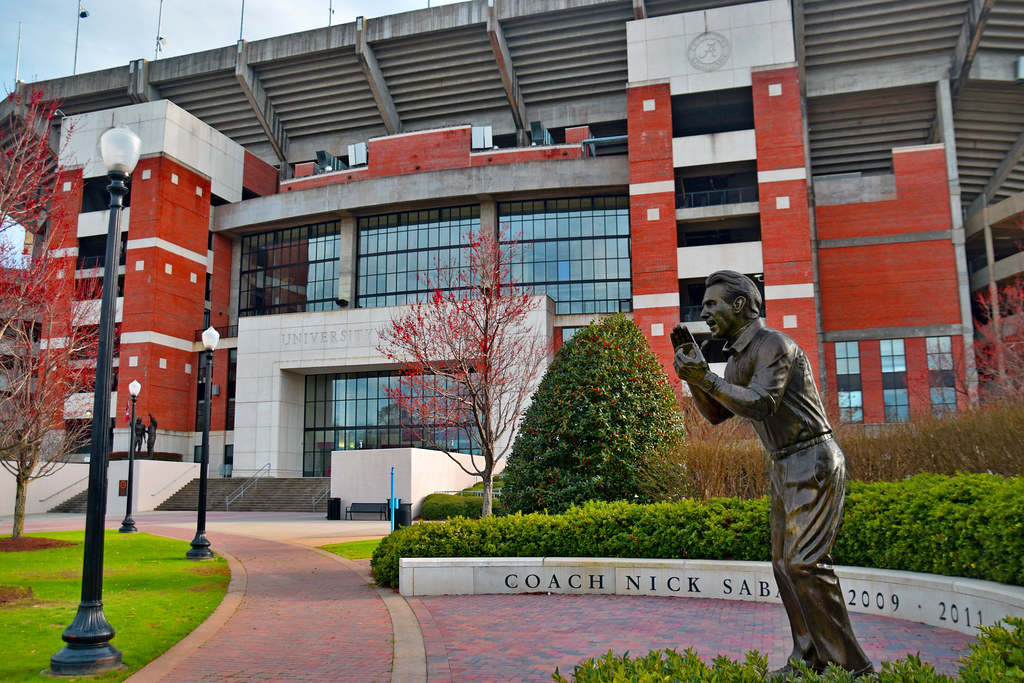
(708, 51)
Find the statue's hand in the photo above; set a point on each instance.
(690, 367)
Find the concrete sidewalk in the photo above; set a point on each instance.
(294, 612)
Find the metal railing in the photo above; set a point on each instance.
(471, 493)
(186, 473)
(321, 494)
(733, 195)
(246, 485)
(43, 500)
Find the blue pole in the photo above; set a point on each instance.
(391, 501)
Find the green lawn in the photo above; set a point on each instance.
(353, 550)
(152, 596)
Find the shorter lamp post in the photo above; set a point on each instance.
(128, 525)
(200, 549)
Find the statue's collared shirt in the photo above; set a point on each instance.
(770, 364)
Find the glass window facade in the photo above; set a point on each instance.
(574, 250)
(851, 397)
(895, 400)
(941, 380)
(352, 411)
(396, 249)
(290, 271)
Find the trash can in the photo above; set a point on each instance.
(334, 508)
(403, 517)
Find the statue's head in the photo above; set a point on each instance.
(731, 301)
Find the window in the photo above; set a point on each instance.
(229, 461)
(577, 251)
(290, 271)
(229, 421)
(568, 332)
(851, 397)
(894, 380)
(395, 249)
(941, 380)
(351, 411)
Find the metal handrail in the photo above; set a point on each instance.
(43, 500)
(472, 493)
(732, 195)
(171, 482)
(246, 485)
(323, 493)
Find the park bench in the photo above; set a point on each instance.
(380, 509)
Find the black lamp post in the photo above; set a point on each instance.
(200, 549)
(128, 525)
(88, 650)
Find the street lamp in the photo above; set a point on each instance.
(200, 549)
(128, 525)
(88, 650)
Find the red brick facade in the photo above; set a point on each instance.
(652, 217)
(165, 274)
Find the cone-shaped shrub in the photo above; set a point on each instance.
(603, 411)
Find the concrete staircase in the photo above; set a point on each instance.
(268, 495)
(76, 503)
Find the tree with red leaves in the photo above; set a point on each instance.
(469, 358)
(999, 342)
(46, 339)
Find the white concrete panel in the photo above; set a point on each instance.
(757, 34)
(694, 262)
(783, 48)
(669, 299)
(98, 222)
(46, 492)
(750, 46)
(364, 476)
(945, 602)
(715, 148)
(636, 59)
(750, 14)
(275, 353)
(800, 291)
(659, 58)
(163, 128)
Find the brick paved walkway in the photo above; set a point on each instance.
(525, 637)
(303, 617)
(294, 613)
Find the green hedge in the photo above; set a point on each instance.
(967, 525)
(997, 655)
(438, 506)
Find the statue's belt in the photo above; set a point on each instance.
(800, 445)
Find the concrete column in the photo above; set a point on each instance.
(947, 134)
(347, 252)
(489, 215)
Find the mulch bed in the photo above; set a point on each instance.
(9, 594)
(14, 545)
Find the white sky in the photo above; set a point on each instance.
(119, 31)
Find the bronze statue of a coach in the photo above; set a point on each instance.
(769, 382)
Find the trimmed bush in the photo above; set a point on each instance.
(603, 412)
(446, 505)
(997, 655)
(968, 525)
